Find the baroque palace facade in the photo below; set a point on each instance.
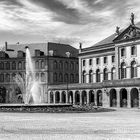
(109, 73)
(54, 63)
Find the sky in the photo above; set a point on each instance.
(64, 21)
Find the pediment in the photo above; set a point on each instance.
(129, 33)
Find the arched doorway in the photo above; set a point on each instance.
(70, 97)
(63, 97)
(123, 97)
(113, 98)
(84, 98)
(91, 97)
(57, 97)
(2, 95)
(134, 97)
(77, 97)
(99, 98)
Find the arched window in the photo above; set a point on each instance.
(42, 64)
(60, 65)
(66, 65)
(37, 65)
(37, 76)
(7, 77)
(113, 71)
(42, 77)
(60, 77)
(55, 64)
(1, 66)
(90, 76)
(1, 77)
(72, 66)
(13, 65)
(84, 76)
(66, 77)
(77, 78)
(7, 66)
(55, 77)
(19, 65)
(123, 70)
(105, 74)
(97, 75)
(72, 78)
(133, 69)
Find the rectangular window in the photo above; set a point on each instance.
(105, 60)
(90, 62)
(113, 59)
(84, 62)
(122, 52)
(97, 61)
(133, 50)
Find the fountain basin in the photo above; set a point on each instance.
(33, 107)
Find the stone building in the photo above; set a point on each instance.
(54, 64)
(109, 72)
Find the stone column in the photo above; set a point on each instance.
(128, 98)
(101, 77)
(87, 78)
(128, 72)
(118, 97)
(49, 97)
(80, 98)
(54, 97)
(105, 96)
(94, 77)
(117, 61)
(60, 101)
(87, 97)
(74, 97)
(139, 96)
(66, 97)
(80, 70)
(109, 75)
(95, 98)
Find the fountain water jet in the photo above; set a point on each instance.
(29, 86)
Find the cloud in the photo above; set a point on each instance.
(69, 21)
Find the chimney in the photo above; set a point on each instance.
(6, 46)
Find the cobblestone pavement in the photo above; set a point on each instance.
(123, 124)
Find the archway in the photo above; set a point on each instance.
(134, 97)
(77, 97)
(2, 95)
(63, 97)
(113, 98)
(99, 98)
(123, 97)
(91, 97)
(57, 97)
(84, 97)
(70, 97)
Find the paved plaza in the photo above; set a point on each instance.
(122, 124)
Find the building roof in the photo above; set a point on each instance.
(107, 42)
(57, 48)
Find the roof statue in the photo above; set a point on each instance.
(117, 30)
(132, 18)
(80, 45)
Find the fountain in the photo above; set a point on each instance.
(31, 92)
(29, 85)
